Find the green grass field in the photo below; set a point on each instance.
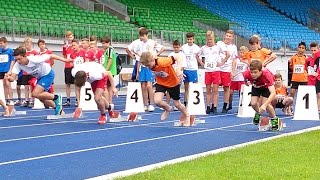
(294, 157)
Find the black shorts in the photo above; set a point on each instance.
(174, 92)
(68, 78)
(280, 104)
(24, 80)
(317, 86)
(294, 84)
(264, 92)
(2, 75)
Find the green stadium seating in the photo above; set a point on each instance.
(169, 15)
(33, 11)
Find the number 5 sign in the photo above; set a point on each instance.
(87, 102)
(306, 104)
(134, 101)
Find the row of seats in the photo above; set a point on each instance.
(173, 17)
(295, 9)
(53, 21)
(258, 19)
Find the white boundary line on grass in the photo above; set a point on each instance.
(191, 157)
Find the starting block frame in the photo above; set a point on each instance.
(268, 127)
(63, 116)
(124, 119)
(196, 121)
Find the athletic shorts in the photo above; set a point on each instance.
(225, 79)
(264, 92)
(174, 92)
(212, 78)
(236, 85)
(68, 78)
(46, 81)
(190, 76)
(101, 84)
(146, 75)
(295, 85)
(24, 80)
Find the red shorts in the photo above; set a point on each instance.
(236, 85)
(102, 83)
(312, 80)
(225, 79)
(212, 78)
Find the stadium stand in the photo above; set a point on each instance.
(175, 18)
(295, 9)
(276, 30)
(34, 17)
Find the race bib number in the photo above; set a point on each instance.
(240, 68)
(298, 69)
(78, 60)
(189, 63)
(4, 58)
(210, 65)
(161, 74)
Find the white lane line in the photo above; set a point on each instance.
(115, 145)
(89, 131)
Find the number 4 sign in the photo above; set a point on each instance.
(87, 102)
(306, 104)
(134, 101)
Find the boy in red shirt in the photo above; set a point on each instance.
(262, 82)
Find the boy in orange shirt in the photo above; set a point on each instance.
(298, 66)
(281, 99)
(168, 80)
(264, 55)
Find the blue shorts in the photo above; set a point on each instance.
(191, 76)
(146, 75)
(46, 81)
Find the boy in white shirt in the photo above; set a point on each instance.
(131, 51)
(38, 68)
(191, 70)
(237, 75)
(98, 77)
(145, 76)
(228, 67)
(176, 53)
(212, 53)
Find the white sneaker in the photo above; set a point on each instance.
(175, 108)
(150, 108)
(112, 106)
(145, 108)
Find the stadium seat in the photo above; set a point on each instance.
(268, 24)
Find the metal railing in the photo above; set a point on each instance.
(139, 11)
(116, 6)
(55, 30)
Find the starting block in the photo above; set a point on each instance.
(265, 125)
(193, 122)
(131, 117)
(63, 116)
(13, 112)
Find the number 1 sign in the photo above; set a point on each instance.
(306, 104)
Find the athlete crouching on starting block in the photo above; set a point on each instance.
(38, 68)
(262, 85)
(168, 80)
(98, 77)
